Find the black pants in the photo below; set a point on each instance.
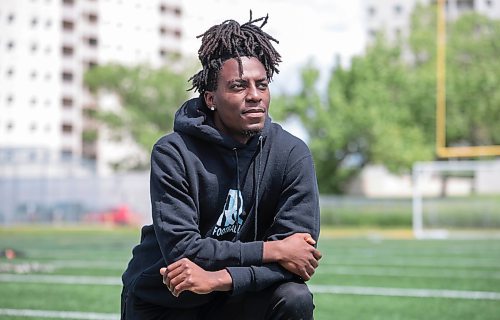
(288, 300)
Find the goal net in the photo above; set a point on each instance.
(456, 199)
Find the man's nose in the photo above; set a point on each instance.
(253, 93)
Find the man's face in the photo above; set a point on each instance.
(241, 103)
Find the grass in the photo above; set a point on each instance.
(357, 257)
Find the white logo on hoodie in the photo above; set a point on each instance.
(230, 219)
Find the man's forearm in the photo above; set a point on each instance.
(272, 251)
(185, 275)
(222, 280)
(277, 251)
(295, 253)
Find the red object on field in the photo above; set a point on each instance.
(120, 215)
(10, 253)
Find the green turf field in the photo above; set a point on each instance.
(362, 275)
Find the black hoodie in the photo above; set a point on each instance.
(215, 201)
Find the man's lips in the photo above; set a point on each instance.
(254, 110)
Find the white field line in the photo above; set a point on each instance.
(377, 291)
(432, 263)
(392, 260)
(60, 279)
(404, 272)
(80, 263)
(406, 292)
(85, 264)
(59, 314)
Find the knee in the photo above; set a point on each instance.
(294, 301)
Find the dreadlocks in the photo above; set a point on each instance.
(232, 40)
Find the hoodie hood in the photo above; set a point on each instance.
(195, 119)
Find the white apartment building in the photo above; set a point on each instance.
(393, 16)
(45, 48)
(31, 77)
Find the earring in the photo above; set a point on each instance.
(212, 108)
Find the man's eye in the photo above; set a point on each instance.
(236, 86)
(263, 85)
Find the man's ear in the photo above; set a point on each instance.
(209, 98)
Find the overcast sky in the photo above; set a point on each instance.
(316, 30)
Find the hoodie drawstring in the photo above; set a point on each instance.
(238, 204)
(257, 187)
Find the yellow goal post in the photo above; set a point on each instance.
(442, 150)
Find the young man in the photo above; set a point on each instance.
(234, 198)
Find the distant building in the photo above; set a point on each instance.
(45, 48)
(393, 16)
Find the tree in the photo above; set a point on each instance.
(148, 98)
(382, 108)
(362, 120)
(473, 79)
(472, 73)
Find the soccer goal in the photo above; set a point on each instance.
(456, 199)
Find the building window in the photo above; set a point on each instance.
(67, 128)
(165, 8)
(34, 47)
(10, 126)
(465, 5)
(10, 73)
(10, 45)
(67, 51)
(34, 22)
(33, 75)
(92, 41)
(177, 33)
(372, 11)
(48, 23)
(68, 25)
(68, 2)
(33, 127)
(489, 3)
(163, 53)
(11, 18)
(91, 64)
(33, 101)
(10, 99)
(398, 9)
(92, 18)
(67, 102)
(67, 76)
(66, 154)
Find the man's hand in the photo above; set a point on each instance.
(185, 275)
(295, 253)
